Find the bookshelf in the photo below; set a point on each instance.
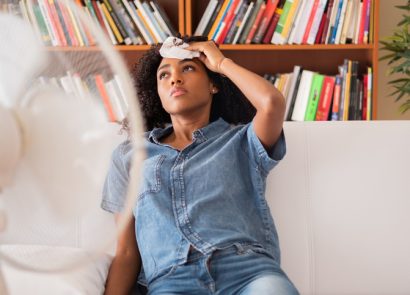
(185, 16)
(175, 10)
(269, 58)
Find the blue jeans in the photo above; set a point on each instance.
(237, 269)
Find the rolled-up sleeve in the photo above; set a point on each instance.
(266, 160)
(116, 182)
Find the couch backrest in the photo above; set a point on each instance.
(341, 203)
(340, 200)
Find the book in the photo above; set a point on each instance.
(295, 23)
(346, 92)
(132, 12)
(340, 22)
(98, 14)
(164, 16)
(369, 93)
(310, 21)
(255, 24)
(210, 8)
(106, 24)
(321, 28)
(293, 12)
(302, 98)
(250, 21)
(336, 98)
(314, 95)
(327, 21)
(316, 22)
(272, 26)
(243, 22)
(277, 38)
(332, 20)
(343, 69)
(47, 20)
(347, 21)
(352, 104)
(38, 21)
(293, 88)
(301, 22)
(153, 22)
(112, 24)
(332, 36)
(227, 22)
(325, 100)
(62, 21)
(100, 85)
(236, 23)
(350, 36)
(367, 22)
(271, 6)
(218, 18)
(214, 15)
(145, 17)
(126, 21)
(114, 17)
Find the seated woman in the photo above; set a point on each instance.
(201, 223)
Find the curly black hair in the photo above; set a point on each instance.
(229, 103)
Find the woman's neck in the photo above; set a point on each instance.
(183, 129)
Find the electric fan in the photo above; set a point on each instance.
(58, 108)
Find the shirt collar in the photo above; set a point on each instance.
(212, 129)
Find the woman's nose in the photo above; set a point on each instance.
(176, 79)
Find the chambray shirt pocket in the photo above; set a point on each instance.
(151, 179)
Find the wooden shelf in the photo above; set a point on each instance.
(295, 47)
(269, 58)
(265, 58)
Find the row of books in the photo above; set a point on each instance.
(108, 91)
(288, 21)
(311, 96)
(125, 21)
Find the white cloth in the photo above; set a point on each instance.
(174, 47)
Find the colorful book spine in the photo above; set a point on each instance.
(314, 95)
(325, 99)
(336, 98)
(255, 25)
(302, 96)
(277, 38)
(272, 26)
(266, 18)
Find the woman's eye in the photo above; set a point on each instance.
(162, 75)
(188, 68)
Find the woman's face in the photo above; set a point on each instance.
(184, 86)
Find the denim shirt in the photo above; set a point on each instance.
(209, 196)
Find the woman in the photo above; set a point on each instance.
(201, 222)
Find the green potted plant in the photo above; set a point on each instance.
(398, 57)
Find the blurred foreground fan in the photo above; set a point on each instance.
(57, 108)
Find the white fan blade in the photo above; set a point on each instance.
(19, 64)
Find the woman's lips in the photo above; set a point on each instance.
(178, 91)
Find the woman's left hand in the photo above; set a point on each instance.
(211, 56)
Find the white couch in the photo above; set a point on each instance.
(341, 203)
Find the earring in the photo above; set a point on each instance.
(214, 90)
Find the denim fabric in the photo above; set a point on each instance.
(239, 269)
(209, 196)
